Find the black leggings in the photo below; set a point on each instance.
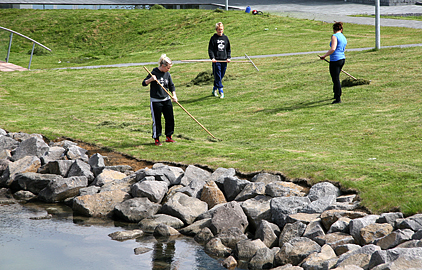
(165, 108)
(335, 69)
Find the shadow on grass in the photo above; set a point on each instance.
(300, 105)
(187, 101)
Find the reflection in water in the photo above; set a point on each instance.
(63, 241)
(163, 255)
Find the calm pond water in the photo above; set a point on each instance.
(64, 241)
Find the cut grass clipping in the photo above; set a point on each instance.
(349, 82)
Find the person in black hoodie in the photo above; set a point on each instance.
(160, 100)
(220, 53)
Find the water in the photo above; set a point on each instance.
(30, 241)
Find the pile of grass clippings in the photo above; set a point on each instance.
(349, 82)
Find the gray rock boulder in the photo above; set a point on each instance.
(194, 173)
(23, 165)
(220, 174)
(284, 189)
(63, 188)
(341, 249)
(325, 259)
(196, 227)
(360, 257)
(335, 239)
(184, 207)
(96, 161)
(266, 178)
(194, 188)
(169, 174)
(257, 209)
(53, 153)
(33, 146)
(126, 235)
(163, 230)
(296, 250)
(227, 216)
(59, 167)
(314, 229)
(35, 182)
(231, 237)
(149, 224)
(319, 205)
(204, 236)
(281, 207)
(341, 225)
(75, 152)
(107, 176)
(153, 190)
(216, 248)
(100, 204)
(394, 238)
(302, 217)
(268, 233)
(396, 258)
(323, 189)
(233, 186)
(250, 191)
(291, 231)
(356, 225)
(81, 168)
(7, 143)
(330, 216)
(263, 259)
(413, 222)
(390, 218)
(136, 209)
(247, 248)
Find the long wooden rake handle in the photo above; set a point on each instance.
(341, 70)
(181, 105)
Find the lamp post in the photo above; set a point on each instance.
(227, 4)
(377, 25)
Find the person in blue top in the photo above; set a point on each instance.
(337, 58)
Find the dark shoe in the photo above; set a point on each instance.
(169, 139)
(336, 101)
(157, 142)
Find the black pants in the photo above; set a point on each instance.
(165, 108)
(335, 69)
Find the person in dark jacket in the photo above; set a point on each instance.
(220, 53)
(160, 100)
(337, 58)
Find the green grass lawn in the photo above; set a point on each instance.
(279, 119)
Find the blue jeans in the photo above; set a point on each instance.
(218, 70)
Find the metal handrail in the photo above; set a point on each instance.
(33, 44)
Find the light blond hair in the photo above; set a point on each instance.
(164, 61)
(219, 24)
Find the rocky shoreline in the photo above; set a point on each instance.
(262, 221)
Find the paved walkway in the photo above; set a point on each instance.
(10, 67)
(320, 10)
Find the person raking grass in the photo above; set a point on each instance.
(160, 101)
(337, 58)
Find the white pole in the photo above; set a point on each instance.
(377, 25)
(227, 4)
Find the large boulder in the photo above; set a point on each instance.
(323, 189)
(231, 237)
(291, 231)
(194, 188)
(35, 182)
(216, 248)
(184, 207)
(33, 146)
(250, 191)
(153, 190)
(330, 216)
(281, 207)
(284, 189)
(233, 186)
(394, 238)
(257, 209)
(413, 222)
(372, 232)
(356, 225)
(192, 172)
(227, 216)
(247, 248)
(268, 233)
(149, 224)
(324, 259)
(263, 259)
(136, 209)
(7, 143)
(81, 168)
(296, 250)
(107, 176)
(63, 188)
(212, 195)
(169, 174)
(266, 178)
(396, 258)
(99, 204)
(59, 167)
(23, 165)
(359, 257)
(53, 153)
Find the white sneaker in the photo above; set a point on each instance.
(215, 93)
(222, 95)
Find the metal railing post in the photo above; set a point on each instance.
(32, 53)
(10, 45)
